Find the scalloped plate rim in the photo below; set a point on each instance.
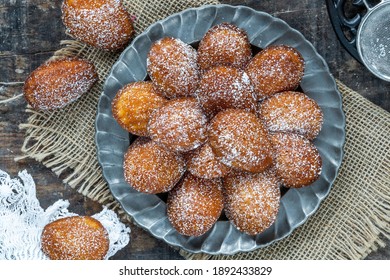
(334, 88)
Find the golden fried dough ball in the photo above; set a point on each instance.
(57, 83)
(133, 105)
(251, 201)
(194, 205)
(75, 238)
(224, 87)
(297, 161)
(103, 24)
(172, 66)
(224, 44)
(202, 163)
(275, 69)
(150, 168)
(179, 125)
(292, 111)
(239, 140)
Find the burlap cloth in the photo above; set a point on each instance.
(352, 221)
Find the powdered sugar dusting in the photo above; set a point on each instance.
(224, 87)
(75, 238)
(251, 201)
(104, 24)
(179, 125)
(150, 168)
(203, 163)
(275, 69)
(133, 105)
(297, 161)
(224, 44)
(292, 112)
(194, 205)
(57, 83)
(172, 66)
(239, 139)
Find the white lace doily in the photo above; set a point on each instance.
(22, 220)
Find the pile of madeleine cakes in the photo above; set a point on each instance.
(220, 129)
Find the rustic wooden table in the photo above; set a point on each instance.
(31, 30)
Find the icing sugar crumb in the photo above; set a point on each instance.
(292, 112)
(48, 87)
(179, 125)
(203, 163)
(195, 204)
(224, 44)
(150, 168)
(239, 139)
(173, 68)
(75, 238)
(297, 161)
(225, 87)
(251, 201)
(275, 69)
(104, 24)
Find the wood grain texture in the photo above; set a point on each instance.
(31, 30)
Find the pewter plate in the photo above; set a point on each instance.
(149, 211)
